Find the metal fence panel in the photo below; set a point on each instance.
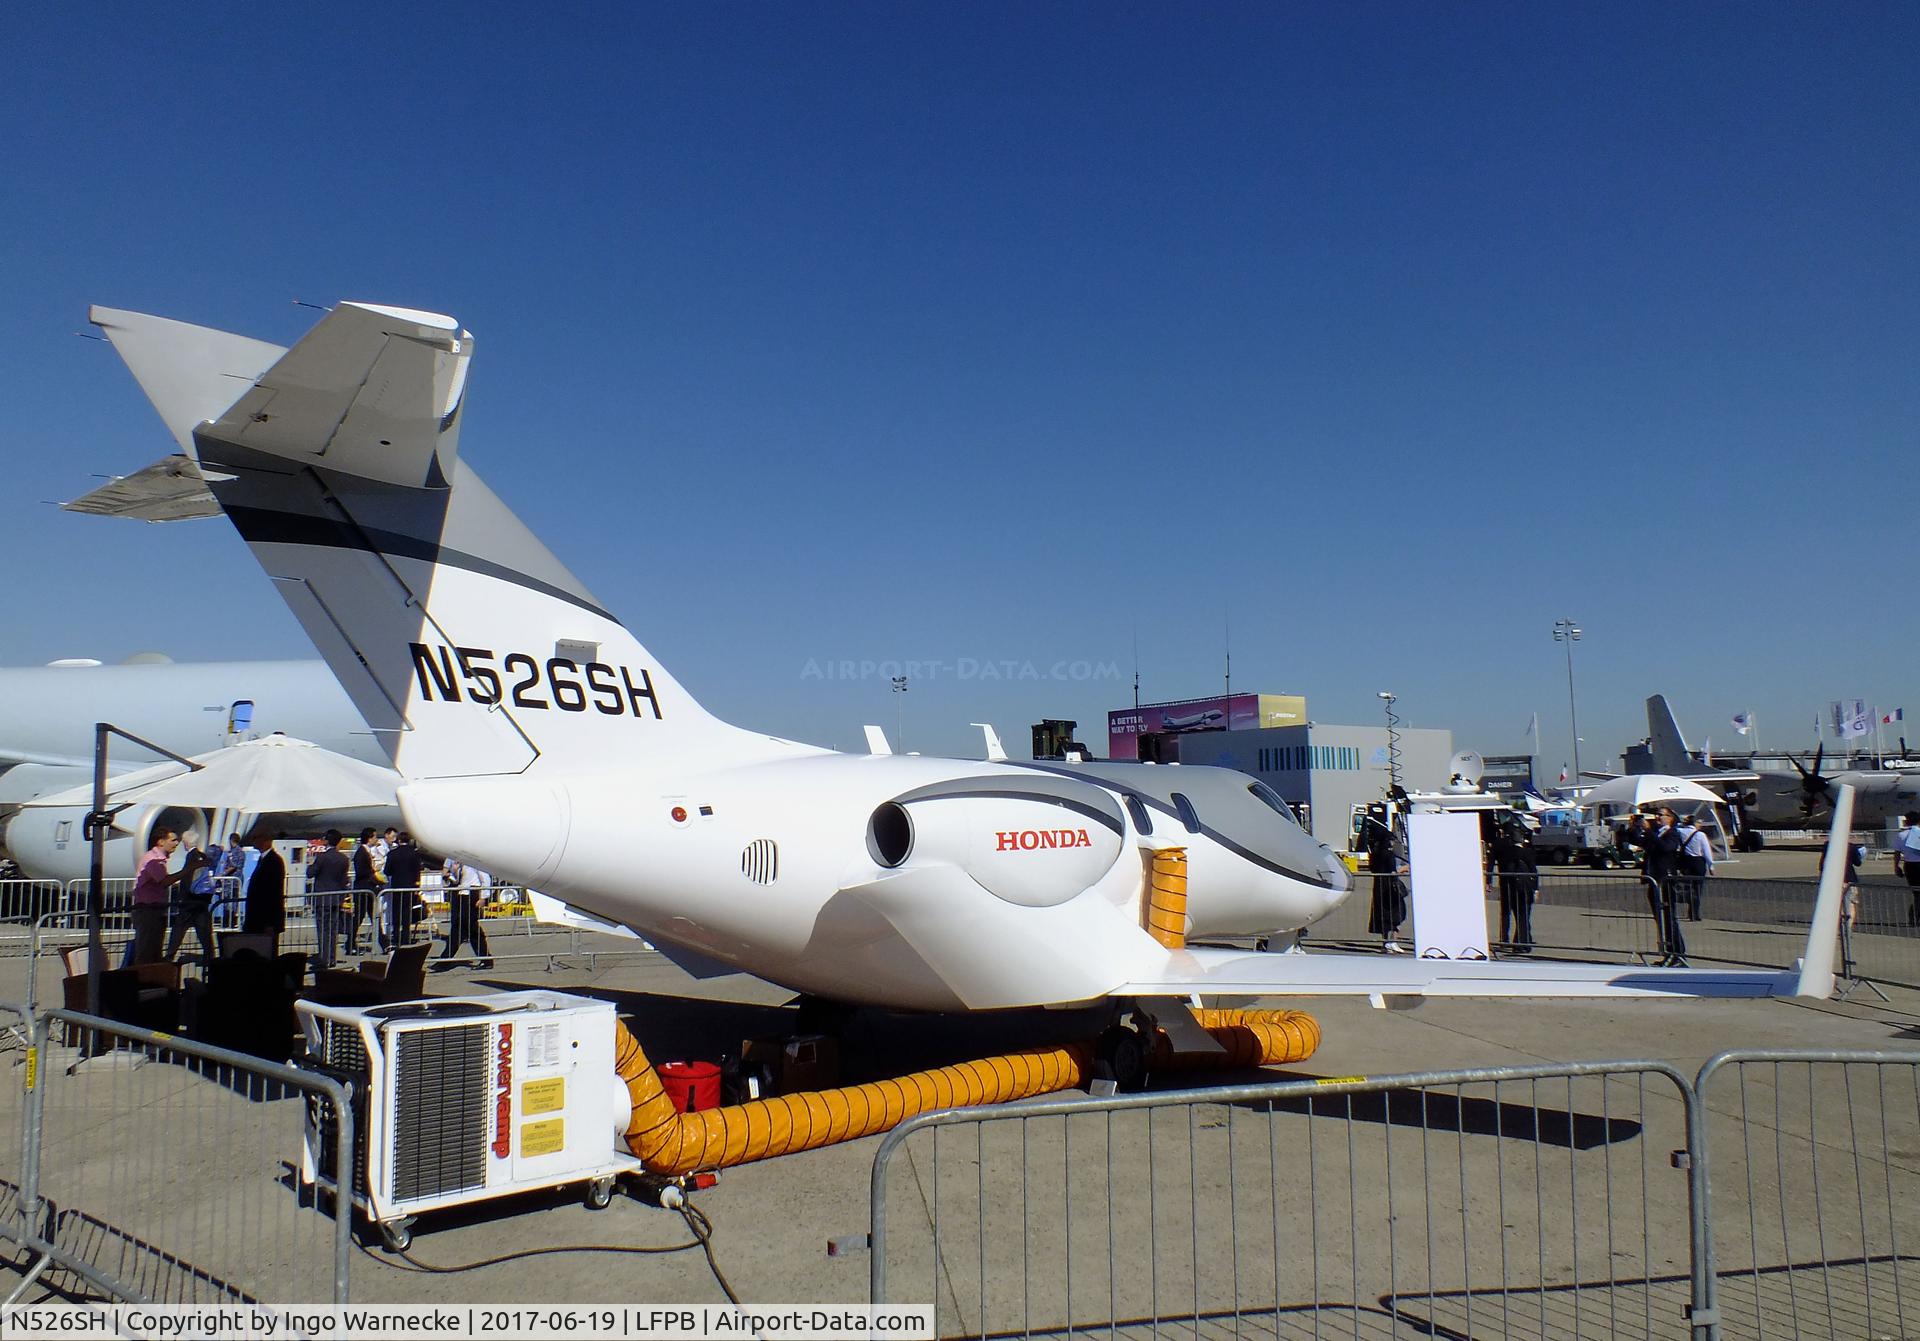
(18, 1063)
(1522, 1203)
(171, 1170)
(1814, 1167)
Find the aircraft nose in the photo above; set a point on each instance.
(1336, 872)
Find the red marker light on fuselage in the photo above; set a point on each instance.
(678, 814)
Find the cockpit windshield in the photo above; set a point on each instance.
(1272, 798)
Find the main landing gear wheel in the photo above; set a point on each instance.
(396, 1235)
(599, 1194)
(1120, 1054)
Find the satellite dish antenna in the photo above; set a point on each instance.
(1466, 767)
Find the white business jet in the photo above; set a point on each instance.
(544, 743)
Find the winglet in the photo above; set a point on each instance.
(1816, 966)
(996, 752)
(876, 740)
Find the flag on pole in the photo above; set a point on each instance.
(1852, 720)
(1533, 727)
(1897, 715)
(1706, 751)
(1563, 775)
(1743, 722)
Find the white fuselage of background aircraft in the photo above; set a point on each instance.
(47, 717)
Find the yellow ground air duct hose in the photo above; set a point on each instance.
(670, 1142)
(1167, 898)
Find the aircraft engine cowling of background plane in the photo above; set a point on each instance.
(1035, 850)
(50, 842)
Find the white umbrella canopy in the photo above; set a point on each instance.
(1640, 789)
(272, 775)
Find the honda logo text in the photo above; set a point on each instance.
(1029, 840)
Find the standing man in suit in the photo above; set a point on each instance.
(1519, 882)
(330, 875)
(1663, 854)
(365, 881)
(266, 887)
(403, 889)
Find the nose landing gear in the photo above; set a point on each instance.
(1121, 1053)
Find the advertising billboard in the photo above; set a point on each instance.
(1242, 712)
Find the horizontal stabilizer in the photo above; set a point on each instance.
(190, 373)
(171, 489)
(372, 392)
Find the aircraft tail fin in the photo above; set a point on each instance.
(190, 373)
(465, 644)
(1670, 753)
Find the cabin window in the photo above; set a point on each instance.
(240, 717)
(1273, 802)
(1142, 819)
(1188, 815)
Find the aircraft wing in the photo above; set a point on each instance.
(8, 758)
(1211, 971)
(1223, 972)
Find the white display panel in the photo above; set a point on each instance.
(1448, 887)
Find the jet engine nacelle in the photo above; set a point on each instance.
(50, 842)
(1034, 850)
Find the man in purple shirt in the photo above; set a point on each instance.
(150, 890)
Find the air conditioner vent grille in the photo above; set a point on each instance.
(440, 1111)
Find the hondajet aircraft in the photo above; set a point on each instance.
(544, 743)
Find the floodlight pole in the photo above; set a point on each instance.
(899, 713)
(99, 822)
(1568, 632)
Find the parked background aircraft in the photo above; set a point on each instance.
(47, 716)
(1773, 798)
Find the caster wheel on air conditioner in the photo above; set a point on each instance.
(396, 1237)
(600, 1194)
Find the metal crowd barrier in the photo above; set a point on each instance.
(1811, 1161)
(1518, 1202)
(21, 903)
(160, 1170)
(17, 1072)
(1774, 1194)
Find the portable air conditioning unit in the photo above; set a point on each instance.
(456, 1100)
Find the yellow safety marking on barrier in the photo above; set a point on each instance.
(543, 1138)
(1339, 1080)
(33, 1067)
(543, 1096)
(507, 910)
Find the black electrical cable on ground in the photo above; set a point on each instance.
(697, 1224)
(417, 1265)
(703, 1231)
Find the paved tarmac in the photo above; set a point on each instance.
(775, 1223)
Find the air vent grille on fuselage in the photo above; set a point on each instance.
(760, 862)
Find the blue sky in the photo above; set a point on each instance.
(1010, 334)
